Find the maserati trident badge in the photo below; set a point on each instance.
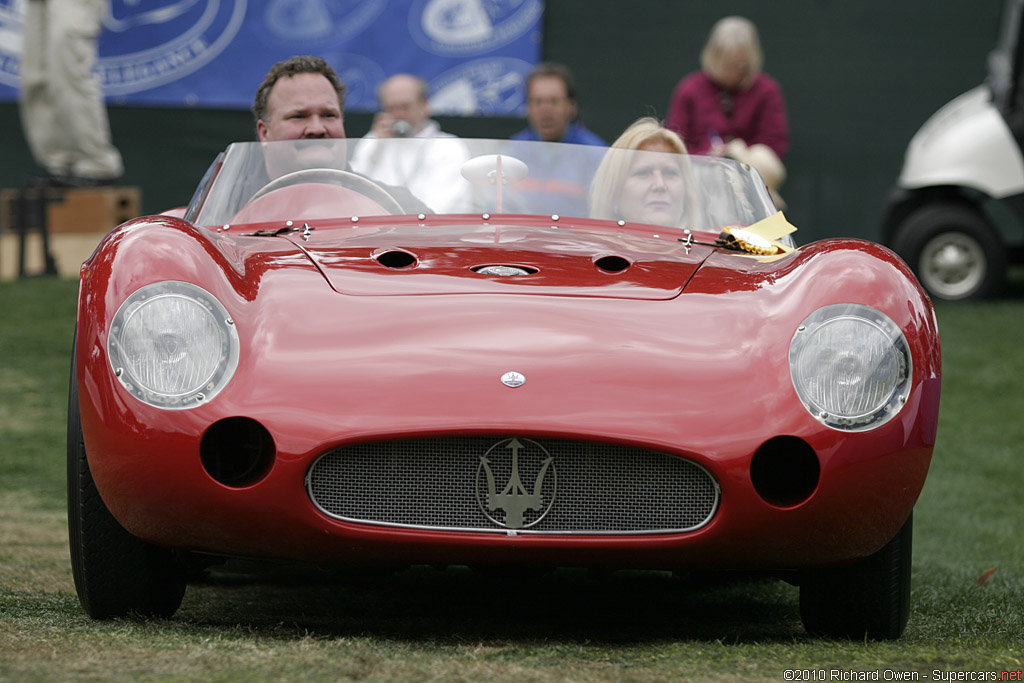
(522, 509)
(513, 379)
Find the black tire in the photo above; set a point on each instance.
(954, 251)
(870, 598)
(116, 574)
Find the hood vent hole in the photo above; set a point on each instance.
(612, 264)
(396, 259)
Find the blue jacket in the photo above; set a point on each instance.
(575, 134)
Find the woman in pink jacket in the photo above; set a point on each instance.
(730, 107)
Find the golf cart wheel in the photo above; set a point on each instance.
(869, 598)
(116, 574)
(954, 251)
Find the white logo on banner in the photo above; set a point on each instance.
(202, 30)
(319, 20)
(467, 27)
(361, 76)
(193, 45)
(11, 14)
(486, 86)
(132, 18)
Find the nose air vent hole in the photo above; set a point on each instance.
(396, 259)
(237, 451)
(612, 264)
(785, 471)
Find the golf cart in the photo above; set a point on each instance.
(957, 214)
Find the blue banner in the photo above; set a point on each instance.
(474, 54)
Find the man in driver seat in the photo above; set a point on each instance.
(302, 98)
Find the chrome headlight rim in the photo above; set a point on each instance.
(221, 336)
(893, 389)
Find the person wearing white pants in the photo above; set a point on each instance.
(63, 113)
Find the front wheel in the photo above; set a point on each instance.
(953, 250)
(116, 574)
(867, 598)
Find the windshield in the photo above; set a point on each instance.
(303, 180)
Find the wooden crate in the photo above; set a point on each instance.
(78, 209)
(68, 250)
(76, 218)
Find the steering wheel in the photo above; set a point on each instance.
(358, 183)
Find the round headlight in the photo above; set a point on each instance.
(173, 345)
(850, 366)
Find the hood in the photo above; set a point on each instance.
(548, 260)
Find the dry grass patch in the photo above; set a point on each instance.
(33, 545)
(25, 416)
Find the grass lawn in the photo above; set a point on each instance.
(452, 625)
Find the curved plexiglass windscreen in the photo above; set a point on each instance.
(321, 179)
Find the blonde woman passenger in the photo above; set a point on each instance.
(655, 187)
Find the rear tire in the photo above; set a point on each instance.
(870, 598)
(953, 250)
(116, 574)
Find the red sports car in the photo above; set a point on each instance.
(497, 353)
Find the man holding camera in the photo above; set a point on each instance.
(404, 110)
(405, 113)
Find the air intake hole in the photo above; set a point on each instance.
(612, 264)
(237, 451)
(785, 471)
(396, 259)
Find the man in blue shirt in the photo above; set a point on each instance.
(551, 108)
(556, 182)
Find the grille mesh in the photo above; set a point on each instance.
(443, 483)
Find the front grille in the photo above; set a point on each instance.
(469, 484)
